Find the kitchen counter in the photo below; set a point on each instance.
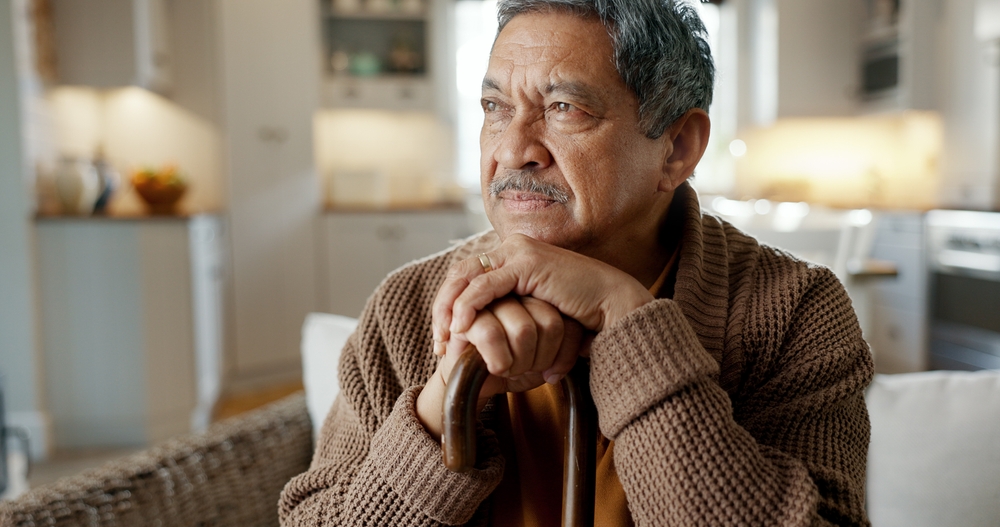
(138, 216)
(443, 206)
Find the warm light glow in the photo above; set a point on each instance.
(860, 217)
(788, 216)
(730, 207)
(738, 148)
(886, 160)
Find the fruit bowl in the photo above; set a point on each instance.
(160, 189)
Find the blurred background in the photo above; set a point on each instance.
(182, 181)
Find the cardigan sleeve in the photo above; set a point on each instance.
(792, 454)
(375, 464)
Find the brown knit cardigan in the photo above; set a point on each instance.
(737, 402)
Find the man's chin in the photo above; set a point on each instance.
(550, 235)
(551, 224)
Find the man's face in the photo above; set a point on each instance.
(563, 157)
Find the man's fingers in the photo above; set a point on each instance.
(478, 294)
(456, 281)
(549, 324)
(568, 351)
(521, 330)
(489, 337)
(458, 278)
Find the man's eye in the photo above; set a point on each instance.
(564, 106)
(490, 106)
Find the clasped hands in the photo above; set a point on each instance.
(530, 317)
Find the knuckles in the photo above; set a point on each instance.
(458, 271)
(523, 337)
(491, 336)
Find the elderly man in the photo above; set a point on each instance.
(728, 376)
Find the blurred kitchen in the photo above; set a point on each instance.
(182, 181)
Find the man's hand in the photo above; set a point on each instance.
(525, 338)
(587, 290)
(526, 317)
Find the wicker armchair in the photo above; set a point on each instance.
(231, 474)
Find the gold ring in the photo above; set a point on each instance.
(484, 260)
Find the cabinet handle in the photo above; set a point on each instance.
(390, 232)
(272, 134)
(384, 232)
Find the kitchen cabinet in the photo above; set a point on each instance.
(817, 62)
(898, 56)
(383, 55)
(361, 248)
(899, 305)
(269, 78)
(131, 325)
(391, 92)
(970, 105)
(113, 43)
(814, 58)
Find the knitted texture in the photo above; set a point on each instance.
(737, 402)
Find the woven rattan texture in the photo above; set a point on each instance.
(232, 474)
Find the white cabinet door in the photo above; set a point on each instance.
(130, 316)
(817, 57)
(425, 233)
(113, 43)
(899, 312)
(387, 93)
(357, 256)
(362, 248)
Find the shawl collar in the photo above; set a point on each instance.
(702, 286)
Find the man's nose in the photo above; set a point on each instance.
(521, 147)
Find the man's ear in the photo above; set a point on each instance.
(689, 137)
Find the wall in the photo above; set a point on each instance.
(18, 338)
(400, 156)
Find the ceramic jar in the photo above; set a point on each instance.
(77, 185)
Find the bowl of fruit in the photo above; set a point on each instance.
(161, 189)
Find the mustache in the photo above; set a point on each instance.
(524, 181)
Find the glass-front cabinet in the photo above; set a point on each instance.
(378, 54)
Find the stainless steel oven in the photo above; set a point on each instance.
(964, 264)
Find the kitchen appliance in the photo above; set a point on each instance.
(963, 258)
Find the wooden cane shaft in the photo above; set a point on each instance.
(579, 470)
(458, 441)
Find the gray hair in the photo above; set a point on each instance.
(660, 51)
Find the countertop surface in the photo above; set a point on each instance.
(139, 216)
(444, 206)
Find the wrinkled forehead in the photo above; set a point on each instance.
(556, 45)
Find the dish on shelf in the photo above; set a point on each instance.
(161, 189)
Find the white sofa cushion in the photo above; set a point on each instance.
(934, 458)
(323, 336)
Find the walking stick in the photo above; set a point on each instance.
(458, 442)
